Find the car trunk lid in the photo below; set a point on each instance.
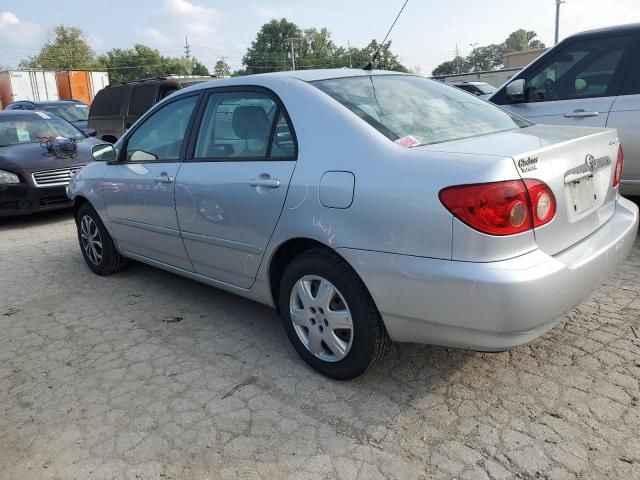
(577, 163)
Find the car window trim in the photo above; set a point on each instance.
(122, 156)
(241, 89)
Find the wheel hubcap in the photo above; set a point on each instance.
(321, 318)
(91, 241)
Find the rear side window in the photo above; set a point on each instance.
(142, 99)
(240, 125)
(583, 69)
(108, 102)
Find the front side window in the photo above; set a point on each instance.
(239, 125)
(582, 69)
(414, 111)
(160, 136)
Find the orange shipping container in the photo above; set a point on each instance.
(75, 85)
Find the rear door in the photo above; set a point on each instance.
(577, 84)
(625, 116)
(106, 115)
(139, 189)
(231, 189)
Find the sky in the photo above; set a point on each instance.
(426, 34)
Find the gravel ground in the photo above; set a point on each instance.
(147, 375)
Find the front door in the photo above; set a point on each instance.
(231, 189)
(139, 193)
(578, 85)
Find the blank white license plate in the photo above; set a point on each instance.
(583, 194)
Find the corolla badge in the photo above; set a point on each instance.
(591, 162)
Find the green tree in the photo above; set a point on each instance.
(142, 61)
(314, 48)
(222, 69)
(269, 52)
(522, 40)
(66, 48)
(457, 65)
(485, 58)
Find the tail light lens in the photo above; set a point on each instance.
(617, 173)
(501, 208)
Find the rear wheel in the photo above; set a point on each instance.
(96, 244)
(330, 317)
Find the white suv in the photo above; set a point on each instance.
(589, 79)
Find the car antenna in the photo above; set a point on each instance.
(369, 66)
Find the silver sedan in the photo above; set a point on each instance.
(365, 206)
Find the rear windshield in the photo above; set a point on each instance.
(31, 128)
(108, 101)
(414, 111)
(71, 113)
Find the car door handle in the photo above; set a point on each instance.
(581, 114)
(163, 179)
(265, 182)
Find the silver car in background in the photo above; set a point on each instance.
(589, 79)
(365, 206)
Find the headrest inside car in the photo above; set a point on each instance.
(250, 122)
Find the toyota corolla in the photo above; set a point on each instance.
(365, 206)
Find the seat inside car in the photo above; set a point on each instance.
(251, 122)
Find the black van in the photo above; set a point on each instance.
(117, 106)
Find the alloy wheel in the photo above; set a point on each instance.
(321, 318)
(91, 241)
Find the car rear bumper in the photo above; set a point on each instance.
(23, 199)
(496, 305)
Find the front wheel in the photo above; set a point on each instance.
(96, 244)
(330, 317)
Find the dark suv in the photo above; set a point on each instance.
(117, 106)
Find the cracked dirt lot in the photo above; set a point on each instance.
(147, 375)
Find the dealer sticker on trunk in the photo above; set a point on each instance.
(528, 164)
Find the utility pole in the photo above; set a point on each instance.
(292, 40)
(475, 58)
(457, 59)
(350, 62)
(558, 3)
(187, 54)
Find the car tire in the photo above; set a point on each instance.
(96, 244)
(340, 354)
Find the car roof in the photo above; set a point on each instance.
(628, 28)
(49, 102)
(304, 75)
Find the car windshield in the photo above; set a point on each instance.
(31, 128)
(485, 88)
(71, 113)
(412, 110)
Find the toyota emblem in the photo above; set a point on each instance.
(591, 162)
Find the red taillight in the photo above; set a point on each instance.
(617, 173)
(501, 208)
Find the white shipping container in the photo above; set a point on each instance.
(34, 85)
(99, 80)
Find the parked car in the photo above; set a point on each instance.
(72, 111)
(365, 207)
(117, 106)
(588, 79)
(35, 168)
(480, 89)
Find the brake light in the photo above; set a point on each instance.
(617, 173)
(501, 208)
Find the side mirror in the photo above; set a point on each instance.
(515, 90)
(89, 132)
(104, 152)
